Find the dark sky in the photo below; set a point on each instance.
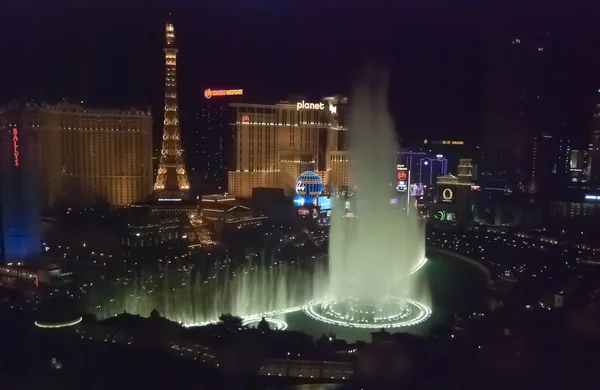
(109, 53)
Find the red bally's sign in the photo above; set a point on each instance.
(245, 118)
(401, 175)
(15, 139)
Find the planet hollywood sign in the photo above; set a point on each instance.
(309, 106)
(315, 106)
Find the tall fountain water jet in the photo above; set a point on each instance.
(374, 245)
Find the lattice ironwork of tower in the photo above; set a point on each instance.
(171, 188)
(171, 180)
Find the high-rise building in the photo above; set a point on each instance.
(338, 174)
(274, 144)
(19, 190)
(210, 141)
(465, 171)
(595, 148)
(522, 101)
(550, 161)
(454, 198)
(87, 154)
(579, 166)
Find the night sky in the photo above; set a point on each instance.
(109, 53)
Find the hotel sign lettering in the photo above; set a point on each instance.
(208, 93)
(309, 106)
(15, 140)
(447, 194)
(315, 106)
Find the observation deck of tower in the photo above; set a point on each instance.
(171, 180)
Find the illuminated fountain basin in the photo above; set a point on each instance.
(274, 323)
(392, 312)
(453, 285)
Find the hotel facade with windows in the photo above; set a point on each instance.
(87, 154)
(274, 143)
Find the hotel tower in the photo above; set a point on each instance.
(274, 144)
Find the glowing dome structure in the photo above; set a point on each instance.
(309, 186)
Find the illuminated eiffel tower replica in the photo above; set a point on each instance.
(171, 194)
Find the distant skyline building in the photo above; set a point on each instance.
(274, 144)
(88, 155)
(454, 197)
(338, 173)
(424, 167)
(210, 142)
(19, 189)
(595, 148)
(579, 166)
(521, 106)
(466, 172)
(550, 164)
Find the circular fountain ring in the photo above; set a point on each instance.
(393, 312)
(277, 324)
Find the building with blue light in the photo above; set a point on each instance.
(19, 189)
(424, 167)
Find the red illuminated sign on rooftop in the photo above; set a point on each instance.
(208, 93)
